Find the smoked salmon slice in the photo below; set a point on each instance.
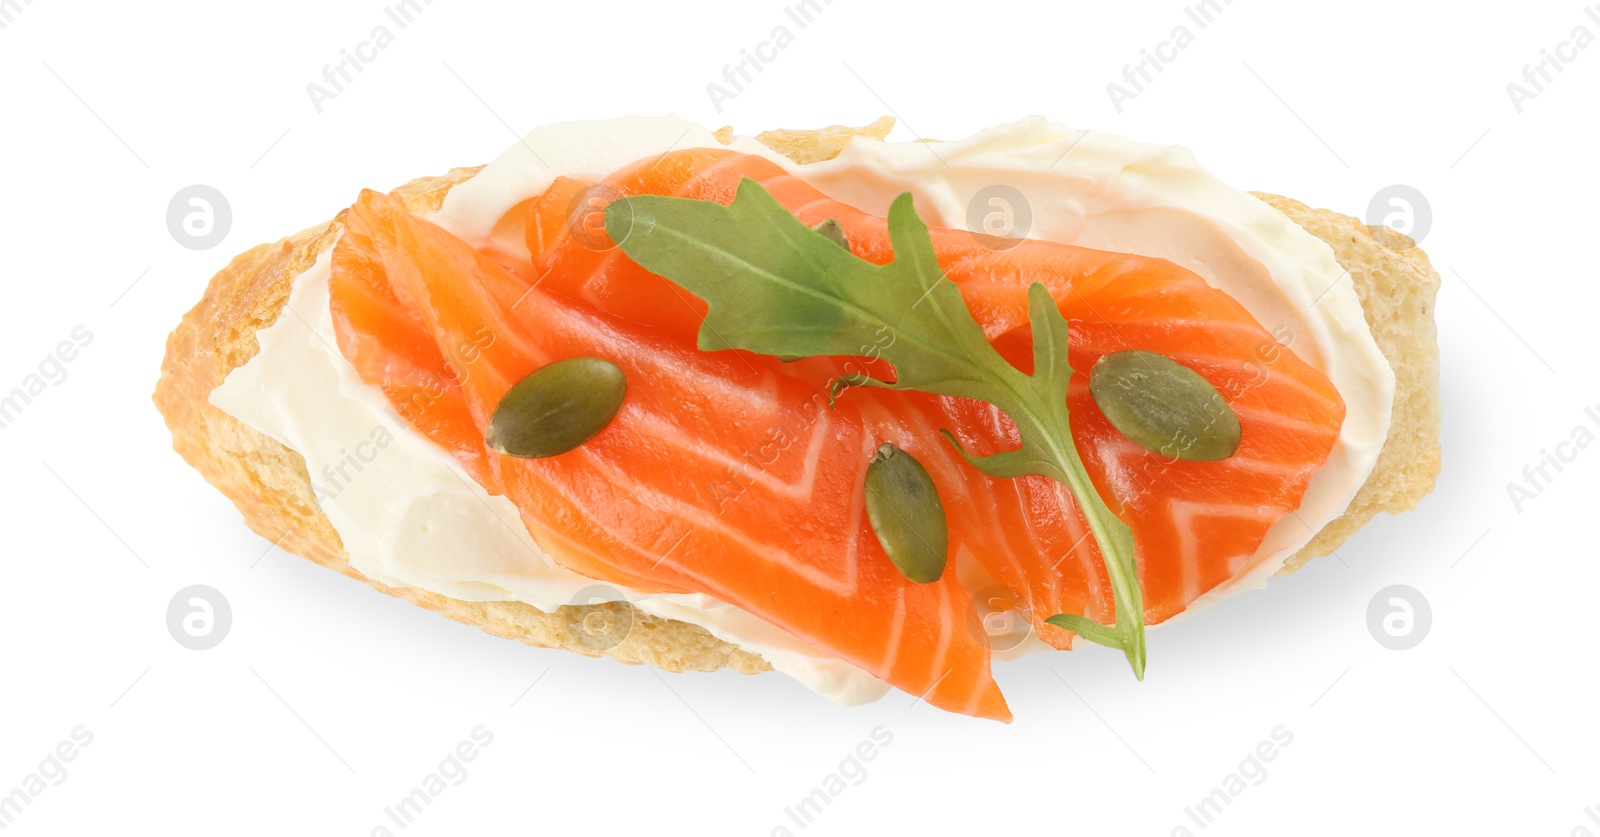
(1195, 524)
(729, 474)
(645, 503)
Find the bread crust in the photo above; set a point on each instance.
(269, 483)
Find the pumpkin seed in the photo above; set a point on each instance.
(904, 510)
(1164, 406)
(557, 408)
(834, 231)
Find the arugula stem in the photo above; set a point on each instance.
(774, 286)
(1127, 632)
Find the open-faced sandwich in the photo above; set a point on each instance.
(868, 413)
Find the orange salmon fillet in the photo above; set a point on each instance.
(728, 474)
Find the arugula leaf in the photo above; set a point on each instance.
(774, 286)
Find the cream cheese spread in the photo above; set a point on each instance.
(408, 515)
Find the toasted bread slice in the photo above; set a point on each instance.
(269, 484)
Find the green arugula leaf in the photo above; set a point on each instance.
(774, 286)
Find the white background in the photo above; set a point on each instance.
(328, 701)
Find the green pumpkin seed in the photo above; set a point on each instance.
(834, 231)
(557, 408)
(904, 510)
(1164, 406)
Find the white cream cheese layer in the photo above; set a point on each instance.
(409, 516)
